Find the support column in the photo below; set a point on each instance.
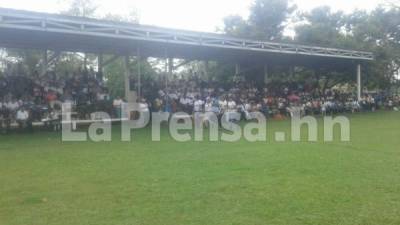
(170, 68)
(166, 72)
(126, 77)
(45, 62)
(139, 88)
(237, 69)
(100, 63)
(85, 61)
(359, 88)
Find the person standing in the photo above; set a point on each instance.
(231, 110)
(198, 106)
(117, 104)
(22, 118)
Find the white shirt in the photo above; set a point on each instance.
(189, 101)
(117, 102)
(22, 115)
(161, 93)
(144, 107)
(247, 107)
(101, 96)
(208, 107)
(183, 101)
(232, 106)
(223, 104)
(198, 105)
(12, 105)
(173, 96)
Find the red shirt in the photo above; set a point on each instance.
(51, 97)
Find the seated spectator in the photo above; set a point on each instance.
(51, 98)
(22, 118)
(117, 104)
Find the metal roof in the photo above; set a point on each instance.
(25, 29)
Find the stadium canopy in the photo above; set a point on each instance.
(32, 30)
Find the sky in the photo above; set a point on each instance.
(197, 15)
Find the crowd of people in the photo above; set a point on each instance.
(273, 100)
(28, 98)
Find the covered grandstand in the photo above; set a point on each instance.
(32, 30)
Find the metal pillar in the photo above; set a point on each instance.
(100, 63)
(237, 69)
(45, 62)
(85, 61)
(127, 75)
(166, 68)
(359, 88)
(139, 71)
(169, 69)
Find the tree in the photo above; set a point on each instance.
(132, 17)
(267, 20)
(236, 26)
(82, 8)
(114, 75)
(320, 27)
(394, 4)
(379, 32)
(27, 60)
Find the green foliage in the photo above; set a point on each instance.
(266, 21)
(83, 8)
(377, 32)
(132, 17)
(115, 73)
(267, 18)
(27, 61)
(236, 26)
(322, 27)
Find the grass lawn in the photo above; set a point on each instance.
(44, 181)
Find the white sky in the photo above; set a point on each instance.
(199, 15)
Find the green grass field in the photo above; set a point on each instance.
(44, 181)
